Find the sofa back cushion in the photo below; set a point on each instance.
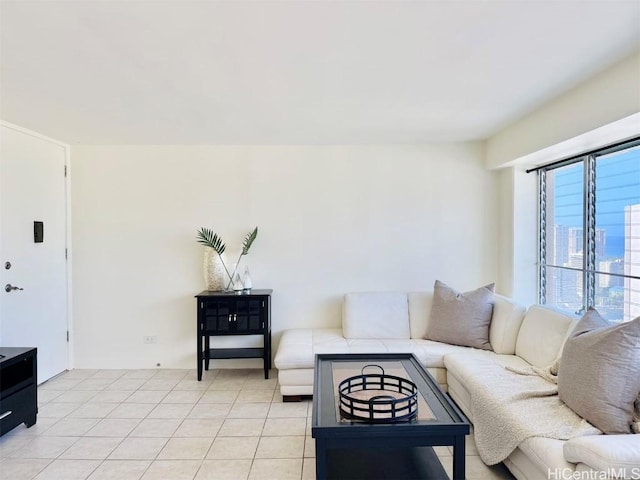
(505, 324)
(375, 315)
(542, 335)
(419, 311)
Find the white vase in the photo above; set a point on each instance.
(215, 275)
(236, 283)
(246, 279)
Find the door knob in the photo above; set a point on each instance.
(8, 287)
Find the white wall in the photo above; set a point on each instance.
(505, 229)
(606, 98)
(518, 234)
(331, 219)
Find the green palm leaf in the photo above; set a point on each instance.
(248, 240)
(207, 238)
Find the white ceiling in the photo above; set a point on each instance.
(297, 72)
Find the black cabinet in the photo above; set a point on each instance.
(226, 313)
(18, 387)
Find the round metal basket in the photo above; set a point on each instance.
(378, 398)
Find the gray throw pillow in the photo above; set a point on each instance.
(599, 375)
(461, 318)
(635, 425)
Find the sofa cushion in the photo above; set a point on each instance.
(460, 372)
(366, 345)
(542, 335)
(295, 349)
(329, 341)
(599, 375)
(375, 315)
(298, 346)
(431, 353)
(546, 454)
(505, 325)
(605, 452)
(461, 318)
(466, 365)
(537, 464)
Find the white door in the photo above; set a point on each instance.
(33, 189)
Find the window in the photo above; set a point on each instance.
(590, 232)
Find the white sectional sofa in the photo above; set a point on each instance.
(520, 338)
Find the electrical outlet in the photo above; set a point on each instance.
(150, 339)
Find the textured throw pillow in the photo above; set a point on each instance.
(461, 318)
(599, 375)
(635, 425)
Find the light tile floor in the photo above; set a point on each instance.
(165, 425)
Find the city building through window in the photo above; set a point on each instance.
(589, 238)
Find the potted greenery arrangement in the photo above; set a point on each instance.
(215, 267)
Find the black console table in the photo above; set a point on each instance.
(18, 387)
(227, 313)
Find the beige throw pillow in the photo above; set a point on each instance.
(461, 318)
(635, 425)
(599, 375)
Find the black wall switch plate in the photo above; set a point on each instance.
(38, 232)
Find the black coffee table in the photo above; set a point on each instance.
(354, 449)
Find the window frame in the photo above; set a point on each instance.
(589, 268)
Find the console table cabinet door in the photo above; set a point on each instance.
(249, 316)
(217, 316)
